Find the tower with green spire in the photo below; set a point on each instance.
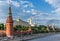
(9, 23)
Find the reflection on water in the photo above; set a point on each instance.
(48, 38)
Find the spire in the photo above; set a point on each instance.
(9, 18)
(9, 9)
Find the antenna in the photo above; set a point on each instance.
(9, 2)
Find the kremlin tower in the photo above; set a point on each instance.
(9, 23)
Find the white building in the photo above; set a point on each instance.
(30, 22)
(20, 22)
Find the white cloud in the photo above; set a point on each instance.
(28, 4)
(24, 10)
(2, 3)
(55, 4)
(45, 16)
(31, 11)
(23, 2)
(31, 5)
(34, 12)
(15, 3)
(3, 17)
(8, 1)
(38, 15)
(56, 11)
(27, 11)
(0, 11)
(25, 6)
(21, 5)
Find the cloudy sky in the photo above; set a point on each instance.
(41, 11)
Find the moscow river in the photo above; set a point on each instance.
(54, 37)
(48, 38)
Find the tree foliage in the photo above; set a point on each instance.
(18, 27)
(2, 26)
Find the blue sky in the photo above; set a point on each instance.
(41, 11)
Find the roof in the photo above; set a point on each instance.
(20, 22)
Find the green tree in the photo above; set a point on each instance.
(42, 28)
(24, 28)
(2, 26)
(18, 27)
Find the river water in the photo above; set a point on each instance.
(48, 38)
